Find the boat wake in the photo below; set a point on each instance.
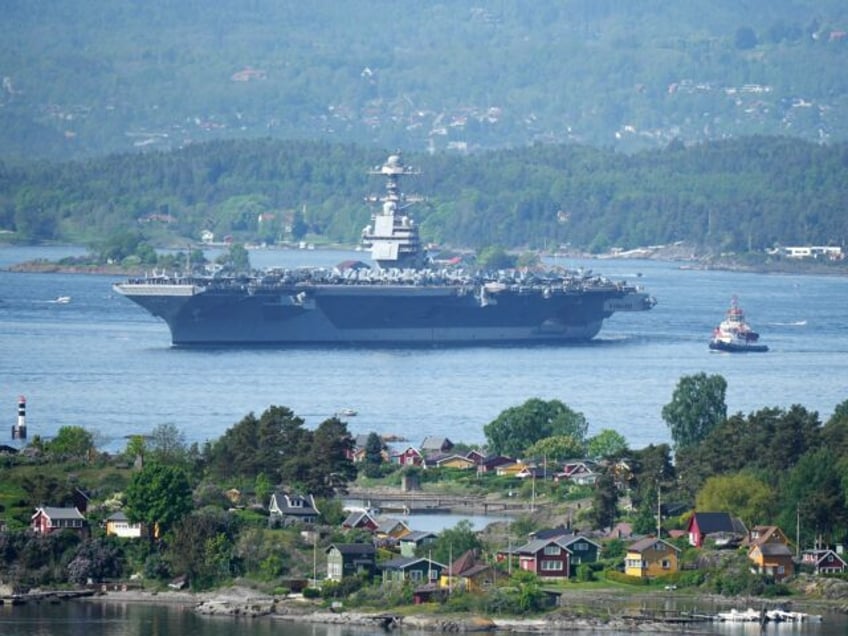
(796, 323)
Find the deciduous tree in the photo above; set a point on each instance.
(519, 427)
(556, 448)
(452, 543)
(740, 494)
(697, 406)
(158, 495)
(72, 441)
(607, 443)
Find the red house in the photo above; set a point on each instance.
(48, 519)
(824, 561)
(409, 457)
(360, 519)
(725, 529)
(547, 558)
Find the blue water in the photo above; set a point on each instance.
(101, 362)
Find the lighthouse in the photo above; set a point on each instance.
(19, 430)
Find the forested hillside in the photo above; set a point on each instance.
(736, 195)
(83, 78)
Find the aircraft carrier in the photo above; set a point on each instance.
(404, 299)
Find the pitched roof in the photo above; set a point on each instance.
(648, 542)
(402, 563)
(535, 545)
(358, 517)
(294, 505)
(764, 534)
(418, 535)
(710, 522)
(817, 556)
(773, 549)
(361, 549)
(436, 443)
(388, 524)
(549, 533)
(59, 513)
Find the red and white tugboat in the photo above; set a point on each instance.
(734, 334)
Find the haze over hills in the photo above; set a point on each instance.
(83, 78)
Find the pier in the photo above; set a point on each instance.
(419, 502)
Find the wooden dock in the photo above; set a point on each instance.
(54, 596)
(419, 502)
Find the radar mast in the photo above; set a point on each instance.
(392, 235)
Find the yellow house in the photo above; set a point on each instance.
(510, 470)
(651, 557)
(456, 461)
(392, 528)
(118, 525)
(467, 574)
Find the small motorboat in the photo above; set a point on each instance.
(741, 616)
(734, 334)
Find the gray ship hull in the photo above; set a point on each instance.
(379, 314)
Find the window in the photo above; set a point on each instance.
(553, 550)
(415, 575)
(666, 564)
(581, 547)
(552, 566)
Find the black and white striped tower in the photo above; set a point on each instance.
(19, 430)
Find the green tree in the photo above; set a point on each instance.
(650, 468)
(373, 461)
(237, 258)
(813, 490)
(299, 226)
(72, 441)
(740, 494)
(263, 488)
(835, 431)
(519, 427)
(136, 448)
(122, 245)
(604, 502)
(202, 547)
(530, 596)
(697, 406)
(607, 443)
(331, 466)
(453, 543)
(276, 444)
(158, 495)
(495, 257)
(167, 444)
(556, 448)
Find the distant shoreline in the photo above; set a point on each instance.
(799, 268)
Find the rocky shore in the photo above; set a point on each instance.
(596, 611)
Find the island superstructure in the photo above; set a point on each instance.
(404, 300)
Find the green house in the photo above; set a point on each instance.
(418, 570)
(350, 559)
